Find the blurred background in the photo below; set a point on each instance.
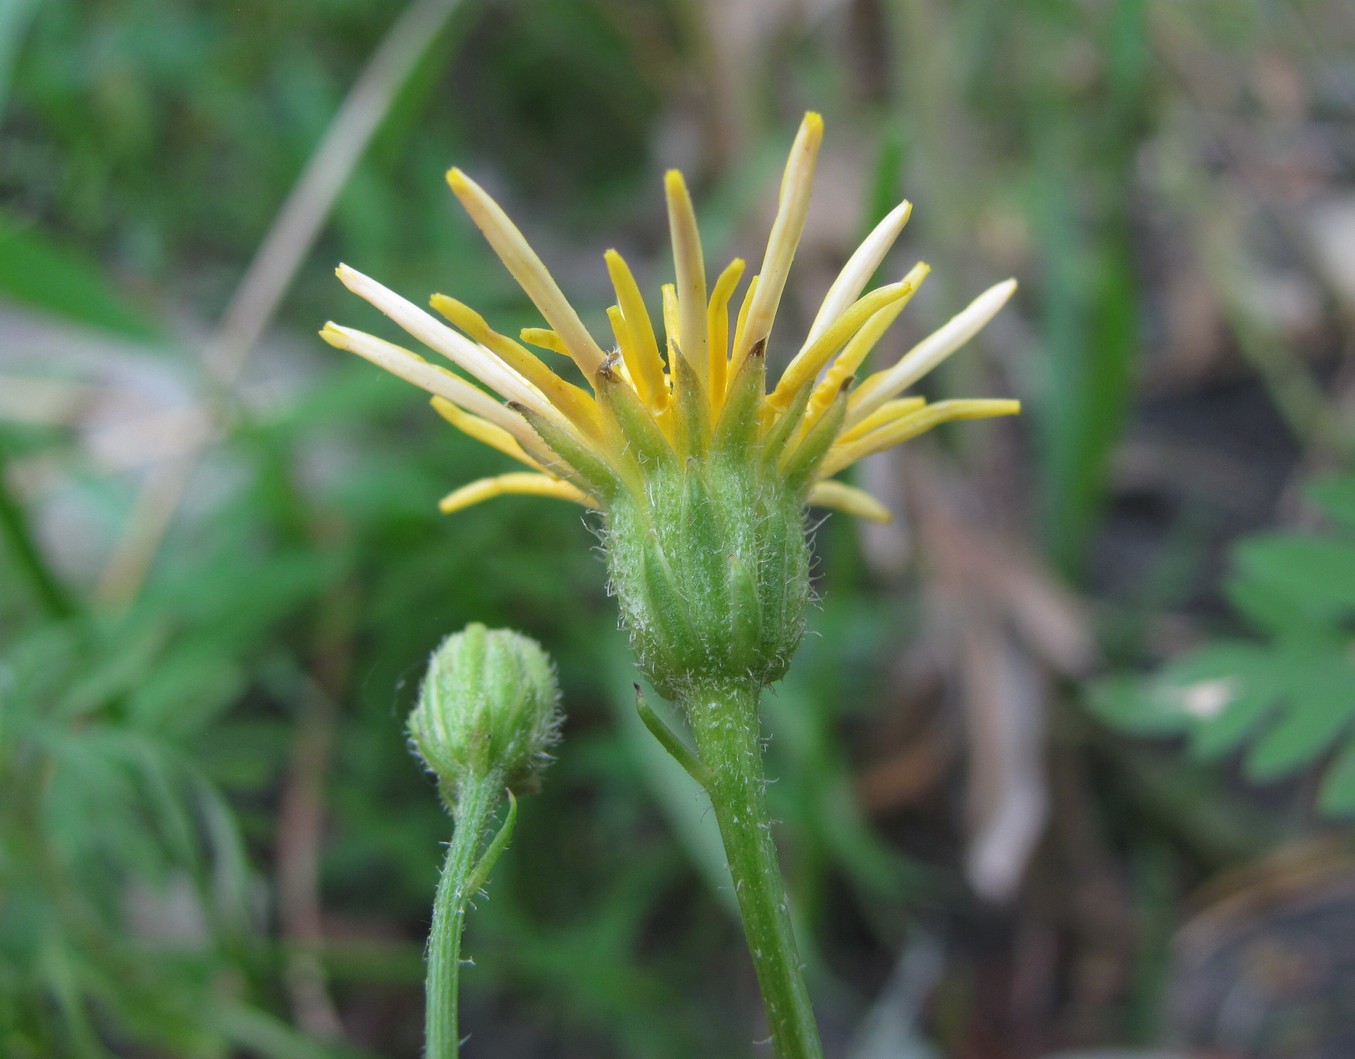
(1063, 764)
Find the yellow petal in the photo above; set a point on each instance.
(843, 454)
(433, 378)
(717, 324)
(672, 323)
(641, 352)
(796, 185)
(545, 338)
(848, 499)
(475, 360)
(800, 372)
(930, 352)
(483, 431)
(527, 269)
(749, 296)
(576, 405)
(865, 340)
(852, 280)
(690, 269)
(518, 482)
(883, 416)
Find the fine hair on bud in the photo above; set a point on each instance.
(489, 706)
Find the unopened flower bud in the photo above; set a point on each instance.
(489, 704)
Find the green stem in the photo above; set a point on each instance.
(726, 728)
(463, 874)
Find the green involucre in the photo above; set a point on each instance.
(711, 570)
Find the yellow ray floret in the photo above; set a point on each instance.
(810, 361)
(578, 407)
(431, 378)
(691, 274)
(544, 338)
(527, 269)
(930, 352)
(471, 357)
(845, 453)
(865, 340)
(848, 499)
(483, 431)
(852, 280)
(789, 225)
(641, 351)
(717, 326)
(519, 482)
(884, 415)
(741, 325)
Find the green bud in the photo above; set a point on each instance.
(711, 570)
(489, 704)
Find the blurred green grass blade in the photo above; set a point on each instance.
(23, 546)
(1091, 295)
(38, 271)
(14, 19)
(1090, 307)
(265, 1035)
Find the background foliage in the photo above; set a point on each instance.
(218, 587)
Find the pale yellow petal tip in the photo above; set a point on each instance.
(458, 181)
(334, 335)
(813, 124)
(849, 500)
(351, 278)
(448, 306)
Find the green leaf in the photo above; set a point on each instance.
(1337, 796)
(1131, 705)
(1316, 573)
(1321, 702)
(1213, 739)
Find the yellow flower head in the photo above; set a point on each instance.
(702, 397)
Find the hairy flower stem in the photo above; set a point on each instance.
(725, 725)
(463, 874)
